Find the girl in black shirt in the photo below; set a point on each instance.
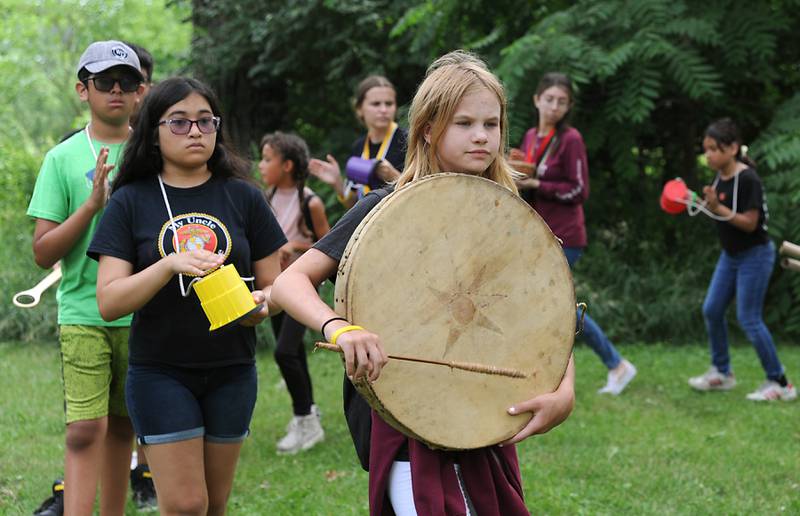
(181, 207)
(375, 106)
(737, 201)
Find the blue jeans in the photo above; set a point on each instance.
(746, 276)
(592, 333)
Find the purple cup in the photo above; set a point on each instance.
(362, 171)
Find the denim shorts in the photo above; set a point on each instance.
(168, 404)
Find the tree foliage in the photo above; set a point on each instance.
(651, 75)
(40, 44)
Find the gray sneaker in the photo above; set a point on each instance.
(772, 391)
(713, 380)
(302, 434)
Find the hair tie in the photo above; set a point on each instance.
(322, 330)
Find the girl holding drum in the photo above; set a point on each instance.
(375, 107)
(457, 123)
(557, 190)
(738, 201)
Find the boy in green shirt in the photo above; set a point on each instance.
(70, 194)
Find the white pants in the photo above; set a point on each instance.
(401, 493)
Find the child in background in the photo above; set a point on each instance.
(375, 107)
(745, 264)
(69, 196)
(301, 215)
(557, 191)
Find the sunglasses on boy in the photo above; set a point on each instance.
(105, 83)
(206, 125)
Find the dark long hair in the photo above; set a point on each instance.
(142, 158)
(562, 81)
(292, 148)
(725, 132)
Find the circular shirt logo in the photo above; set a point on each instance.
(195, 231)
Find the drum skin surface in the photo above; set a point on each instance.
(457, 268)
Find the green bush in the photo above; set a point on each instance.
(18, 168)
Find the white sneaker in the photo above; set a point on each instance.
(617, 381)
(303, 433)
(713, 380)
(772, 391)
(314, 410)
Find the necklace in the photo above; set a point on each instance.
(91, 145)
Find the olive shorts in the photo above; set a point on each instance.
(94, 362)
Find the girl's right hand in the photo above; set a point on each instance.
(327, 171)
(196, 262)
(100, 188)
(363, 354)
(516, 155)
(710, 197)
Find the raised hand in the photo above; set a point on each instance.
(327, 171)
(100, 187)
(710, 196)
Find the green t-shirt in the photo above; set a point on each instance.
(63, 185)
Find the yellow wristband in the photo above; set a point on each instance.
(343, 329)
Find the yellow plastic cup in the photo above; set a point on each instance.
(224, 297)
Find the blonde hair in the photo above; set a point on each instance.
(447, 81)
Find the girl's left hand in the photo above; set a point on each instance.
(529, 183)
(710, 196)
(549, 410)
(386, 172)
(256, 317)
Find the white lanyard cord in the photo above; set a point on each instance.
(89, 139)
(693, 207)
(185, 291)
(91, 145)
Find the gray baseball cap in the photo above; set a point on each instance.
(102, 55)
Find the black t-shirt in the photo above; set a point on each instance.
(750, 196)
(356, 409)
(395, 154)
(227, 216)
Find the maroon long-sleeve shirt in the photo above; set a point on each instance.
(564, 186)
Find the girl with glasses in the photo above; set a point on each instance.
(554, 156)
(182, 206)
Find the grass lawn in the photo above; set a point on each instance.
(657, 449)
